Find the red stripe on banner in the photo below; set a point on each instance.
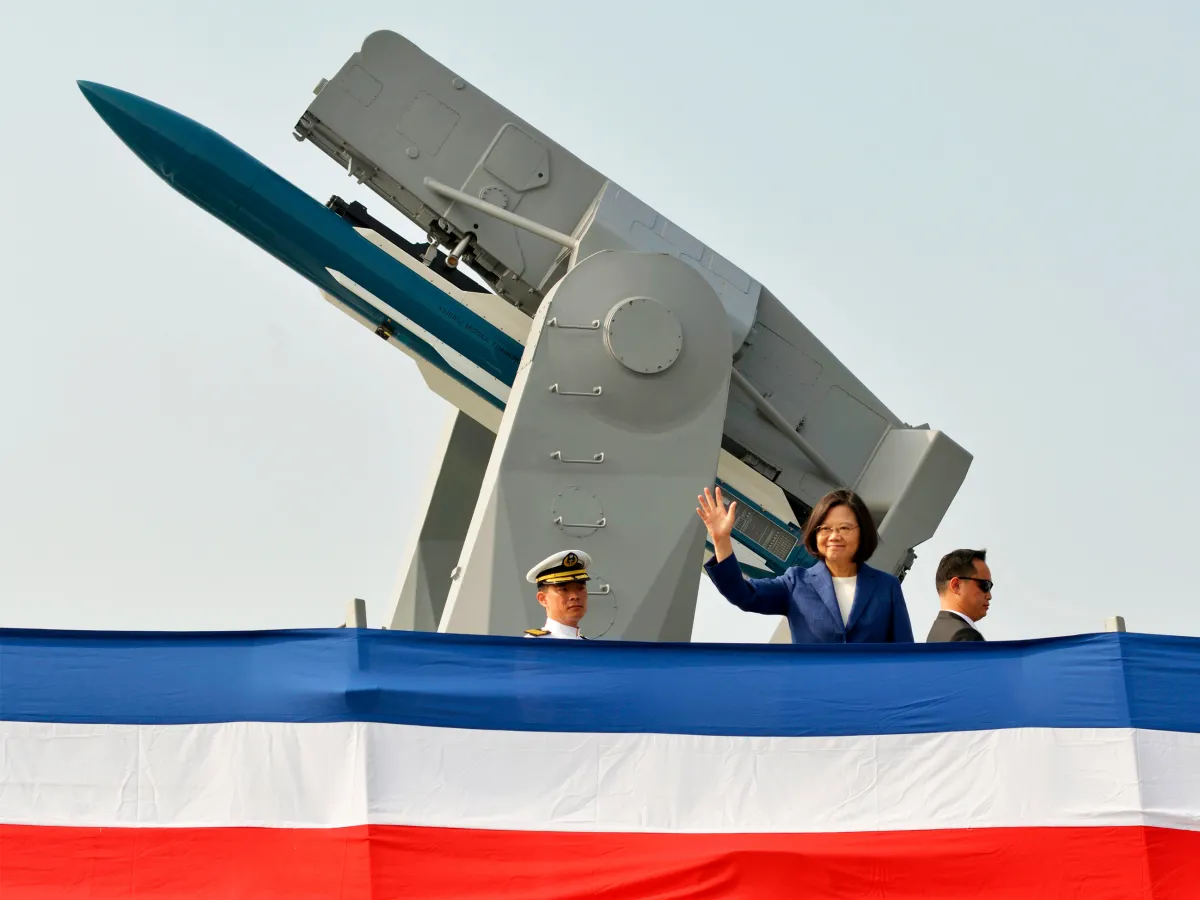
(367, 862)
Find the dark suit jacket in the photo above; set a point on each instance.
(949, 627)
(806, 597)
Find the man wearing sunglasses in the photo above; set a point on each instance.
(964, 585)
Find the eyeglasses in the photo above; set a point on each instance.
(984, 585)
(826, 530)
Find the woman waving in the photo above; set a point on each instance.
(839, 600)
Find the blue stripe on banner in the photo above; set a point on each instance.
(1101, 681)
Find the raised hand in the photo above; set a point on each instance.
(718, 520)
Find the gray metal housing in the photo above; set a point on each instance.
(400, 121)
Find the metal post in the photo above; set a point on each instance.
(503, 215)
(356, 614)
(772, 415)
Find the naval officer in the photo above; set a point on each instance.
(561, 580)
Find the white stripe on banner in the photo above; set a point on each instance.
(342, 774)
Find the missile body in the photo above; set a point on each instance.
(312, 240)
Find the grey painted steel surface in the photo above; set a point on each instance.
(620, 221)
(398, 120)
(449, 500)
(393, 116)
(610, 461)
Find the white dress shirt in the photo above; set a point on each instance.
(965, 618)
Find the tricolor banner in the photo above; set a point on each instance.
(374, 764)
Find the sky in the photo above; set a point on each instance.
(988, 214)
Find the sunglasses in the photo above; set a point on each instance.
(984, 584)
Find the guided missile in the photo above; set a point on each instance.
(314, 241)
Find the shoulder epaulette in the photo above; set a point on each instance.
(536, 632)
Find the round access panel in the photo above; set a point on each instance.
(643, 335)
(494, 194)
(577, 512)
(602, 607)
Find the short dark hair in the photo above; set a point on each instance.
(957, 564)
(868, 535)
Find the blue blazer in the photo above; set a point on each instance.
(878, 614)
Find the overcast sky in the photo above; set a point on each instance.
(988, 213)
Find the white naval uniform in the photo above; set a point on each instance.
(557, 630)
